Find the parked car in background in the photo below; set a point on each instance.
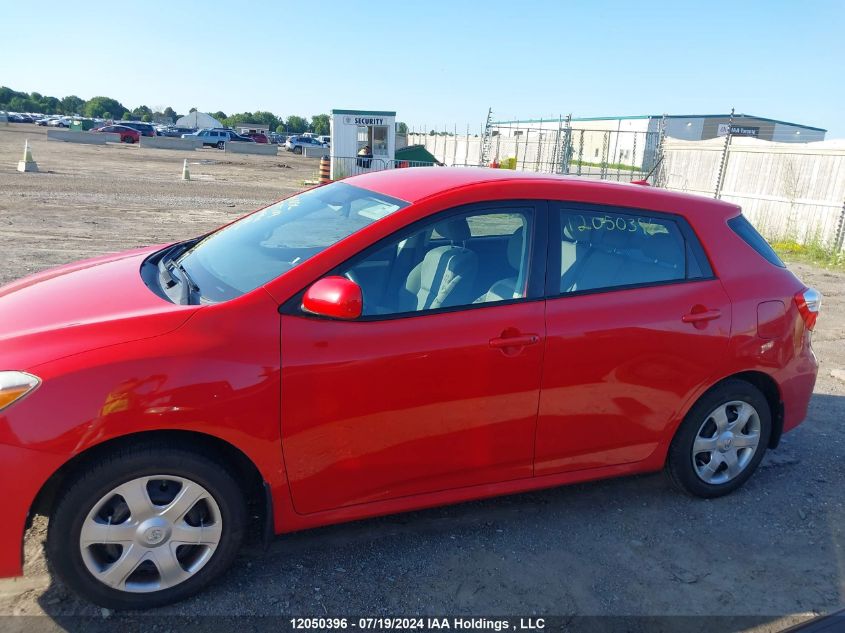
(209, 137)
(216, 137)
(565, 330)
(59, 122)
(325, 139)
(146, 129)
(258, 137)
(240, 138)
(17, 117)
(174, 132)
(295, 144)
(127, 134)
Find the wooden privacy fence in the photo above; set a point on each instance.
(789, 191)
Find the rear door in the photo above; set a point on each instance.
(635, 323)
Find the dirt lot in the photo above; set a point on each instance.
(624, 547)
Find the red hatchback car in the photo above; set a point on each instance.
(127, 134)
(393, 341)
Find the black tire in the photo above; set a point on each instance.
(297, 150)
(103, 475)
(128, 139)
(221, 144)
(679, 463)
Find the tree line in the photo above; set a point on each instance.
(108, 108)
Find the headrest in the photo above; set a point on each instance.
(515, 248)
(456, 230)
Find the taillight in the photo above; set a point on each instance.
(809, 304)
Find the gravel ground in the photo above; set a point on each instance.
(627, 547)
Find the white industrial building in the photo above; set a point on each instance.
(631, 140)
(691, 127)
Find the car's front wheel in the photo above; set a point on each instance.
(721, 441)
(297, 150)
(220, 144)
(146, 526)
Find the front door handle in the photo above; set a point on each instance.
(514, 341)
(702, 316)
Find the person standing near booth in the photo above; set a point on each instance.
(365, 157)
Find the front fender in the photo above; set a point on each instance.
(211, 376)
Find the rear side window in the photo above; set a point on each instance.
(750, 236)
(607, 249)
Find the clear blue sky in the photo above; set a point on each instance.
(440, 63)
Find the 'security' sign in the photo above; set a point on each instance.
(362, 120)
(738, 130)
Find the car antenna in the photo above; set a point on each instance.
(644, 181)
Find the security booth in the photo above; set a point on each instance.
(361, 141)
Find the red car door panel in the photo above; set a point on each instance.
(375, 410)
(620, 366)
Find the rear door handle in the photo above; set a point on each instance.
(514, 341)
(701, 317)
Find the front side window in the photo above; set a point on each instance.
(601, 250)
(258, 248)
(457, 260)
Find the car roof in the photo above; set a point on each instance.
(415, 184)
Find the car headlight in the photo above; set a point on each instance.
(14, 385)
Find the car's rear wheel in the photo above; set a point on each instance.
(721, 441)
(146, 526)
(297, 150)
(221, 145)
(128, 139)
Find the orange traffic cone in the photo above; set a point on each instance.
(325, 170)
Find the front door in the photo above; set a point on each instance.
(436, 386)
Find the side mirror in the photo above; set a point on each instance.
(335, 297)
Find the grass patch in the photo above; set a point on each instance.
(813, 253)
(613, 166)
(508, 163)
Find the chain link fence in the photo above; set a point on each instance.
(792, 192)
(601, 154)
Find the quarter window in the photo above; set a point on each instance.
(602, 250)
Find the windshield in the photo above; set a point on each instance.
(266, 244)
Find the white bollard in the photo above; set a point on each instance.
(27, 164)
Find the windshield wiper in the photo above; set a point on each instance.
(189, 284)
